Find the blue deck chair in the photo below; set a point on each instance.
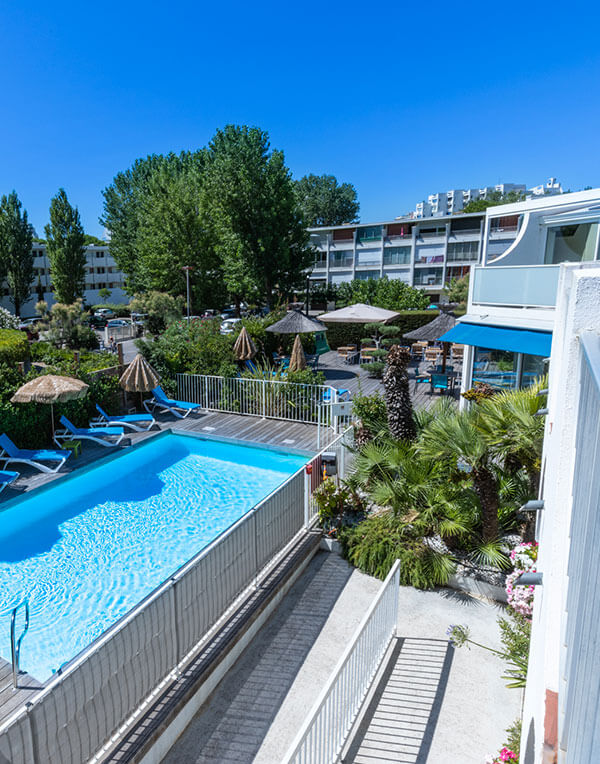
(321, 344)
(136, 422)
(100, 435)
(6, 478)
(440, 382)
(342, 395)
(10, 453)
(180, 409)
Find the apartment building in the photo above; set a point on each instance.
(509, 324)
(427, 254)
(101, 271)
(453, 201)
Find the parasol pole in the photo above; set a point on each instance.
(52, 418)
(444, 356)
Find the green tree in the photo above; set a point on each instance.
(65, 248)
(90, 240)
(162, 309)
(259, 233)
(16, 256)
(104, 294)
(494, 198)
(397, 395)
(324, 201)
(458, 290)
(392, 294)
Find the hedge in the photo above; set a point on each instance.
(13, 346)
(406, 321)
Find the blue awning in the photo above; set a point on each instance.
(500, 338)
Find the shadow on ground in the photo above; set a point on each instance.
(232, 725)
(400, 721)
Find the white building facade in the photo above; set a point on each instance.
(101, 272)
(427, 254)
(507, 331)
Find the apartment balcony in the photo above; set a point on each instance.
(341, 264)
(515, 286)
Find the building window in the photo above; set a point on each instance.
(463, 250)
(99, 254)
(505, 369)
(571, 243)
(426, 233)
(365, 275)
(100, 270)
(372, 233)
(396, 255)
(428, 276)
(344, 258)
(457, 272)
(320, 260)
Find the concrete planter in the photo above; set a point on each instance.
(330, 545)
(472, 585)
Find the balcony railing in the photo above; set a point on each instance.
(519, 286)
(346, 263)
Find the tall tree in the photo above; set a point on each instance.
(259, 231)
(65, 248)
(16, 255)
(397, 395)
(324, 201)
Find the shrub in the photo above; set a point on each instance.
(371, 411)
(407, 320)
(7, 320)
(160, 307)
(375, 369)
(338, 507)
(62, 360)
(13, 346)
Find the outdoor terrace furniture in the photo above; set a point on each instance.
(6, 478)
(100, 435)
(441, 382)
(136, 422)
(458, 352)
(180, 409)
(431, 354)
(33, 457)
(422, 379)
(342, 395)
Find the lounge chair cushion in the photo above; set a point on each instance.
(6, 476)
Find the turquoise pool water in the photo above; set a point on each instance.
(88, 548)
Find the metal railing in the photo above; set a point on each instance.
(324, 733)
(269, 399)
(578, 695)
(82, 707)
(520, 286)
(15, 642)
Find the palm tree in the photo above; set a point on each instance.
(397, 395)
(460, 439)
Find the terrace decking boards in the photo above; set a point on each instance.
(11, 699)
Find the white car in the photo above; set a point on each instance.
(228, 325)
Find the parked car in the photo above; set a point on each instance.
(104, 312)
(97, 322)
(117, 322)
(228, 325)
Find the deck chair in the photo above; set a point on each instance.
(10, 453)
(100, 435)
(136, 422)
(6, 478)
(180, 409)
(321, 344)
(440, 382)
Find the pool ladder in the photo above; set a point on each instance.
(15, 644)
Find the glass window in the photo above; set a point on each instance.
(364, 275)
(533, 368)
(396, 255)
(372, 233)
(342, 258)
(497, 368)
(320, 259)
(463, 250)
(428, 276)
(571, 243)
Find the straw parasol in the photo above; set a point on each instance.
(359, 313)
(139, 377)
(295, 322)
(297, 358)
(50, 389)
(244, 348)
(434, 330)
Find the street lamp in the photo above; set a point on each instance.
(187, 269)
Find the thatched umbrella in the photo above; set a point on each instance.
(297, 358)
(434, 330)
(50, 389)
(295, 322)
(244, 348)
(139, 377)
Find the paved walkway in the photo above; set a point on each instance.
(432, 702)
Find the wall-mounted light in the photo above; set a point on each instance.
(532, 506)
(541, 412)
(529, 579)
(541, 392)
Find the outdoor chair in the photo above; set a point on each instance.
(342, 395)
(6, 478)
(180, 409)
(136, 422)
(100, 435)
(10, 453)
(440, 382)
(421, 379)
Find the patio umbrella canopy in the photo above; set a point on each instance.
(244, 349)
(139, 376)
(50, 389)
(433, 331)
(297, 358)
(295, 322)
(359, 313)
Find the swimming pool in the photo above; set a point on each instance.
(85, 549)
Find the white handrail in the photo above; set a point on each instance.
(325, 731)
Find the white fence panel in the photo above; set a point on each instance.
(580, 701)
(324, 733)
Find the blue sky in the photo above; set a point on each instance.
(400, 99)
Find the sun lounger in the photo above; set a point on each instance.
(34, 458)
(100, 435)
(342, 394)
(137, 422)
(180, 409)
(6, 478)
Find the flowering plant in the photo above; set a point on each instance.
(505, 755)
(520, 598)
